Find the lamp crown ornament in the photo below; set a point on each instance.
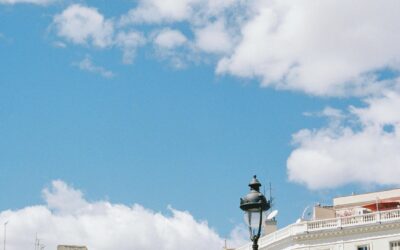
(255, 184)
(255, 200)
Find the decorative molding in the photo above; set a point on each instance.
(361, 229)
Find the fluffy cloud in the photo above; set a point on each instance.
(174, 47)
(359, 146)
(170, 11)
(87, 65)
(38, 2)
(214, 38)
(87, 26)
(67, 218)
(324, 48)
(157, 11)
(129, 42)
(84, 25)
(169, 39)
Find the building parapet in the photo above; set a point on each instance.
(327, 224)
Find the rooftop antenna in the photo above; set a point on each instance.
(37, 243)
(264, 190)
(5, 234)
(271, 199)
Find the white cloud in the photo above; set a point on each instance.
(38, 2)
(323, 48)
(380, 111)
(169, 39)
(67, 218)
(84, 25)
(59, 44)
(174, 47)
(170, 11)
(214, 38)
(360, 147)
(157, 11)
(239, 236)
(87, 65)
(129, 42)
(63, 198)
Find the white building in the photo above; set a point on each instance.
(368, 221)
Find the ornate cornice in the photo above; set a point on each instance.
(348, 231)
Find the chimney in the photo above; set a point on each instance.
(270, 226)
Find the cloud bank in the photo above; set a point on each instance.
(86, 64)
(360, 145)
(67, 218)
(334, 48)
(329, 48)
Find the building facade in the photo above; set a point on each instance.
(358, 222)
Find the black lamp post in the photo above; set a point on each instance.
(254, 204)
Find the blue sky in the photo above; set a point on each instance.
(187, 122)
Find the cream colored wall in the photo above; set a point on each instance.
(380, 244)
(373, 242)
(270, 226)
(360, 199)
(321, 213)
(347, 240)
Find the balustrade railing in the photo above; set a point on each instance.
(317, 225)
(382, 216)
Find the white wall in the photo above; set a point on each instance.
(378, 238)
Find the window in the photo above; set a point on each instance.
(395, 245)
(363, 247)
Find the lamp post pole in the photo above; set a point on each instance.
(254, 204)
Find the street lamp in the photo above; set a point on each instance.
(254, 204)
